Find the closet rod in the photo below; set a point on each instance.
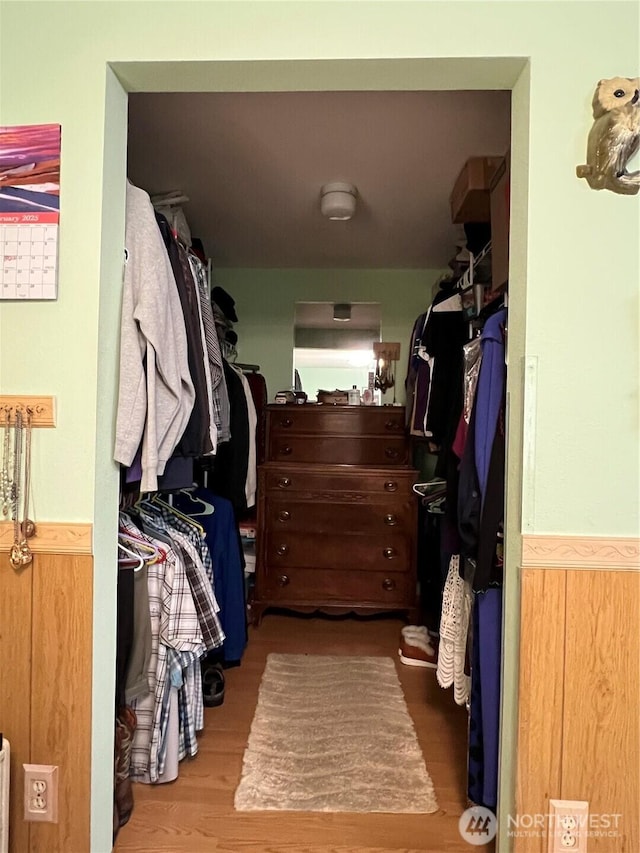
(254, 368)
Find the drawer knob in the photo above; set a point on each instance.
(389, 553)
(283, 580)
(282, 550)
(284, 515)
(390, 486)
(391, 453)
(388, 584)
(284, 482)
(286, 450)
(392, 425)
(286, 422)
(390, 519)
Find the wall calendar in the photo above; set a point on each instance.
(29, 211)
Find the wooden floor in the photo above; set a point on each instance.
(195, 814)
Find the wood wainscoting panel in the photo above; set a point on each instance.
(581, 552)
(53, 537)
(541, 696)
(15, 686)
(61, 695)
(601, 742)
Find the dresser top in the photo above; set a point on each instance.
(317, 407)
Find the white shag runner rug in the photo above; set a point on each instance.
(333, 734)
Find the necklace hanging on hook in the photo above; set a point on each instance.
(6, 481)
(20, 554)
(27, 526)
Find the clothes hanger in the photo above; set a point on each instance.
(209, 509)
(138, 560)
(156, 555)
(422, 488)
(157, 500)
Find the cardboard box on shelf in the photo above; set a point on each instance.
(470, 194)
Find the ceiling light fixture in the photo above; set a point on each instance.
(338, 201)
(342, 312)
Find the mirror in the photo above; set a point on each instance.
(333, 345)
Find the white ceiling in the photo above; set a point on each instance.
(319, 315)
(253, 164)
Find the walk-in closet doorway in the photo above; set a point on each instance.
(300, 76)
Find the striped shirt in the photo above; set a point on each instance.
(220, 397)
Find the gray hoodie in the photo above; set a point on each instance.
(156, 394)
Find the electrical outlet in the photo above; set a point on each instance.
(568, 826)
(41, 792)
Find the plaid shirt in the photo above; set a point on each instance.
(190, 699)
(145, 707)
(203, 597)
(190, 707)
(175, 629)
(179, 630)
(194, 536)
(171, 523)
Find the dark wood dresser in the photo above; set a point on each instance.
(337, 517)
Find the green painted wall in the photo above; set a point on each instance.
(574, 235)
(575, 265)
(265, 305)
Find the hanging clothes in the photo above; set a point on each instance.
(125, 631)
(490, 392)
(220, 398)
(156, 394)
(228, 471)
(454, 630)
(465, 421)
(482, 509)
(137, 679)
(223, 540)
(258, 386)
(184, 625)
(437, 369)
(481, 483)
(484, 719)
(195, 267)
(198, 563)
(413, 366)
(195, 440)
(251, 481)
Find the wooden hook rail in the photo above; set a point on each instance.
(42, 409)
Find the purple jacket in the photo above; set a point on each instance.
(489, 392)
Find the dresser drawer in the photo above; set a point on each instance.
(377, 515)
(339, 421)
(312, 482)
(301, 586)
(330, 550)
(346, 450)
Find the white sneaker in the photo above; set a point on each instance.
(414, 631)
(418, 651)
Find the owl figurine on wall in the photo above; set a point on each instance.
(614, 137)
